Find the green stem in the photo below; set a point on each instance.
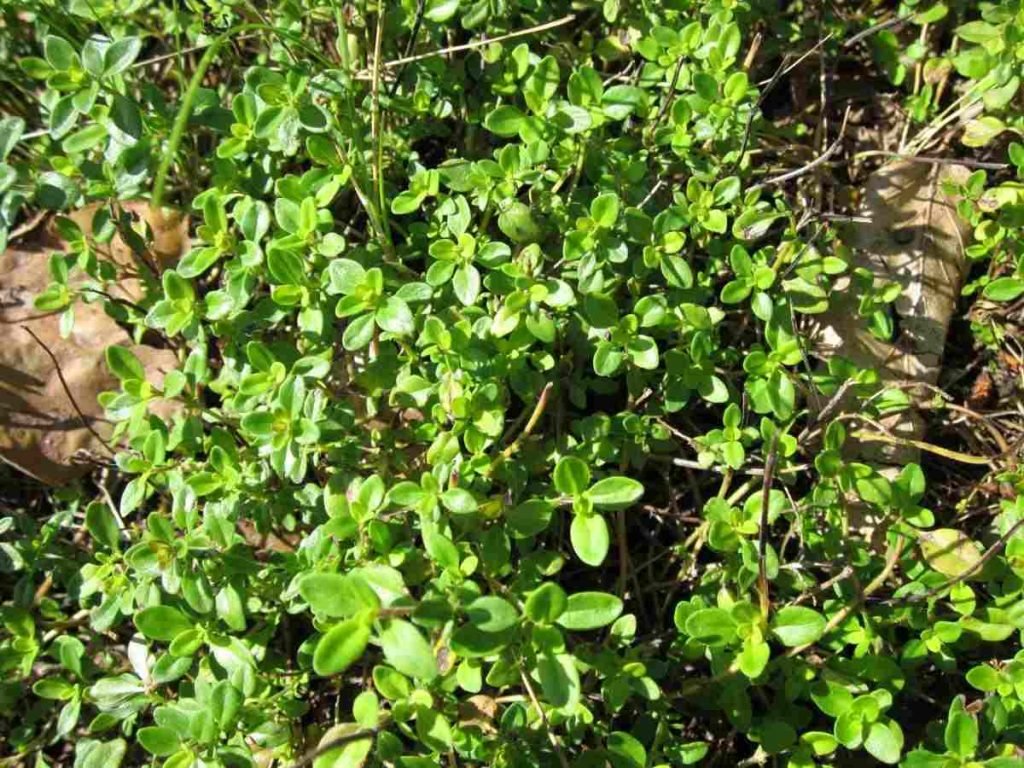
(185, 111)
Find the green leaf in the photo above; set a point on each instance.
(572, 476)
(120, 55)
(884, 742)
(338, 595)
(542, 84)
(982, 130)
(590, 538)
(620, 101)
(626, 751)
(123, 363)
(974, 63)
(471, 642)
(600, 310)
(604, 210)
(433, 729)
(158, 740)
(572, 119)
(466, 283)
(961, 734)
(459, 501)
(517, 223)
(342, 646)
(736, 87)
(712, 626)
(821, 743)
(1004, 289)
(440, 11)
(96, 754)
(408, 651)
(504, 120)
(391, 683)
(11, 129)
(161, 622)
(798, 625)
(102, 525)
(229, 608)
(59, 53)
(676, 271)
(394, 316)
(979, 32)
(590, 610)
(559, 680)
(492, 614)
(53, 688)
(84, 139)
(984, 678)
(754, 656)
(643, 351)
(546, 603)
(406, 202)
(615, 492)
(530, 518)
(358, 333)
(754, 223)
(693, 752)
(126, 116)
(716, 221)
(351, 751)
(285, 266)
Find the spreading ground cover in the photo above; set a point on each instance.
(493, 424)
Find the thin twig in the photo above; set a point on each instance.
(375, 128)
(669, 97)
(480, 43)
(822, 158)
(770, 84)
(562, 760)
(538, 411)
(654, 190)
(28, 226)
(340, 741)
(780, 73)
(826, 412)
(749, 472)
(421, 7)
(185, 51)
(752, 51)
(991, 166)
(67, 391)
(894, 22)
(762, 533)
(112, 506)
(824, 586)
(843, 218)
(876, 584)
(938, 450)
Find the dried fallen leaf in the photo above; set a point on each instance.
(479, 710)
(41, 432)
(913, 235)
(165, 234)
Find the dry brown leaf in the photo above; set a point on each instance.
(41, 432)
(165, 232)
(479, 710)
(914, 237)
